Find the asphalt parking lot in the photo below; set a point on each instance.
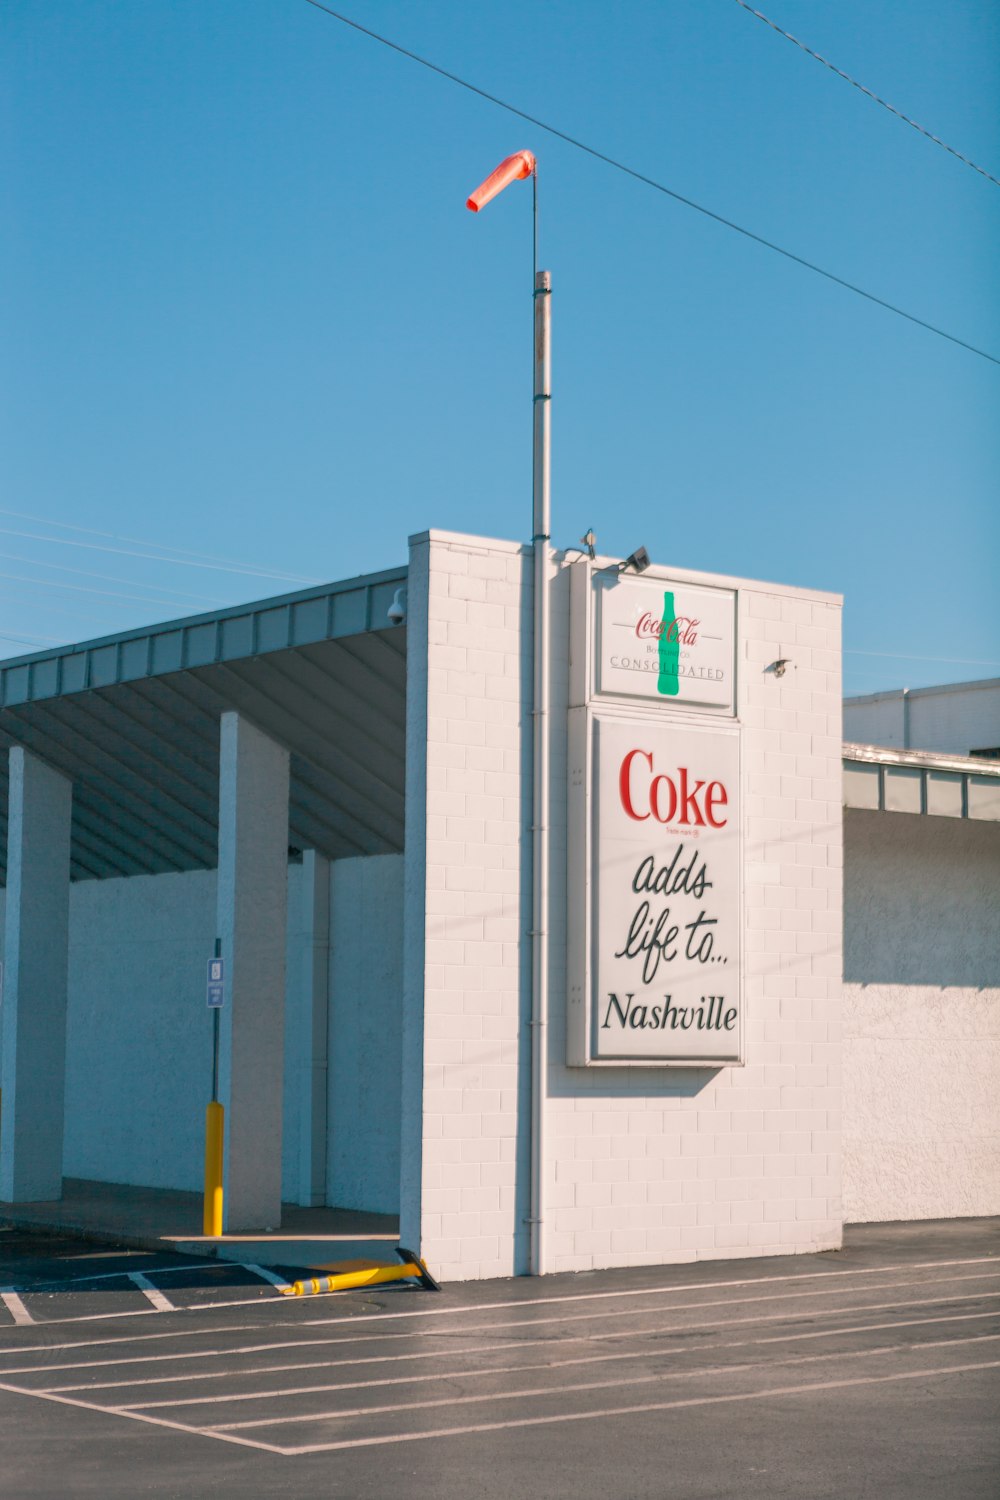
(872, 1371)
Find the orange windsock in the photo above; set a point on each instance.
(521, 164)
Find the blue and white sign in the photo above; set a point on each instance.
(216, 992)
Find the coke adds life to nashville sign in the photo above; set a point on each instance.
(665, 640)
(665, 891)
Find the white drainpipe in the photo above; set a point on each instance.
(540, 766)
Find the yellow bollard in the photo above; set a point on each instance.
(215, 1127)
(353, 1274)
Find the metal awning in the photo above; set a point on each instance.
(133, 720)
(877, 779)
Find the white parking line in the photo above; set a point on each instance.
(555, 1364)
(14, 1305)
(65, 1281)
(628, 1411)
(113, 1411)
(534, 1393)
(516, 1302)
(268, 1275)
(486, 1348)
(482, 1307)
(146, 1287)
(656, 1291)
(641, 1334)
(590, 1415)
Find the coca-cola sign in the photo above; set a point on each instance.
(665, 640)
(655, 932)
(682, 630)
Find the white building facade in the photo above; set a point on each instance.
(646, 1164)
(337, 786)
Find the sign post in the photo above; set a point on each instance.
(215, 1115)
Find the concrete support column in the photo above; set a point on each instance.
(36, 942)
(307, 1032)
(252, 906)
(412, 1121)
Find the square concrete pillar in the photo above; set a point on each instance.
(252, 903)
(33, 1076)
(308, 999)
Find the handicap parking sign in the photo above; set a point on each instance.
(216, 990)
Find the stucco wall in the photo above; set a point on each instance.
(366, 998)
(139, 1033)
(877, 721)
(639, 1168)
(921, 1017)
(954, 719)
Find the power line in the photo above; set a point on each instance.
(77, 588)
(951, 661)
(651, 182)
(76, 609)
(232, 565)
(211, 567)
(177, 594)
(23, 640)
(868, 92)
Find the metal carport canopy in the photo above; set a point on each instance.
(133, 720)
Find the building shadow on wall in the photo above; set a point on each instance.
(921, 900)
(620, 1083)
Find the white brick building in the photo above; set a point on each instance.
(346, 802)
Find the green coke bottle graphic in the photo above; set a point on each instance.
(669, 651)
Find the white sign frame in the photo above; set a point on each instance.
(603, 600)
(585, 959)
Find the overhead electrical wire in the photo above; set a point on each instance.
(77, 588)
(212, 567)
(23, 640)
(75, 609)
(868, 92)
(659, 187)
(177, 594)
(951, 661)
(226, 564)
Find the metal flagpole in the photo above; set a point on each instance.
(513, 168)
(541, 530)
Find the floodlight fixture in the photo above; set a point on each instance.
(638, 561)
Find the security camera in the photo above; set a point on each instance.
(397, 609)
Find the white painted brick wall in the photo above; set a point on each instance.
(921, 1017)
(642, 1167)
(462, 1112)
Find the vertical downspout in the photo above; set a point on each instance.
(540, 765)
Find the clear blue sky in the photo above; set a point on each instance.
(246, 314)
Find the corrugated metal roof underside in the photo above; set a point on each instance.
(879, 779)
(143, 754)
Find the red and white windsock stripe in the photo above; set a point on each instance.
(511, 169)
